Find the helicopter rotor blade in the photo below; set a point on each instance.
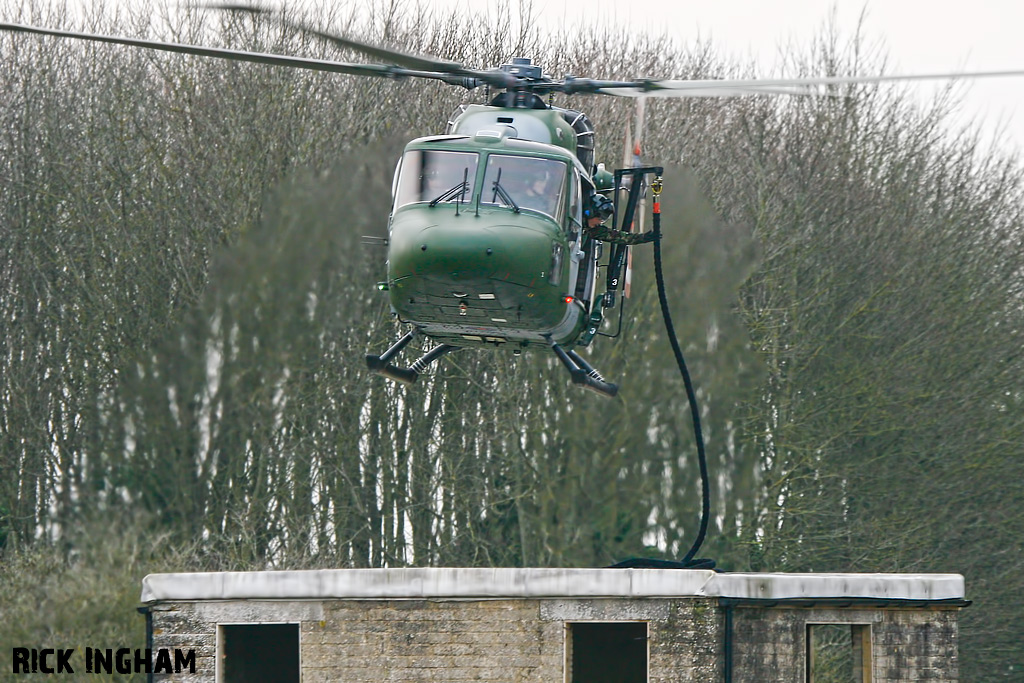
(401, 64)
(384, 54)
(641, 88)
(408, 60)
(776, 86)
(376, 70)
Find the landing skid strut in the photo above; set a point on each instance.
(582, 373)
(381, 366)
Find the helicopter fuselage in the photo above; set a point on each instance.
(486, 229)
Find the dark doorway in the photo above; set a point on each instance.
(609, 652)
(258, 653)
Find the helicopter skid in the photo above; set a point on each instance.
(381, 366)
(403, 375)
(583, 374)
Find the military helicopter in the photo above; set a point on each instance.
(488, 242)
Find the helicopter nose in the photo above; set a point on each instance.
(456, 259)
(467, 253)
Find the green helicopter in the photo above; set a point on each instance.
(488, 242)
(496, 234)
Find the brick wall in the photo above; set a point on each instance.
(445, 641)
(524, 639)
(917, 645)
(907, 644)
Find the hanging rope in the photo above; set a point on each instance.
(688, 561)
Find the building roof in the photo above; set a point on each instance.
(462, 583)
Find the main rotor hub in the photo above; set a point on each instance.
(523, 67)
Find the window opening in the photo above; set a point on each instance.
(838, 653)
(258, 653)
(575, 201)
(531, 182)
(426, 175)
(607, 652)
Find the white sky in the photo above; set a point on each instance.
(919, 36)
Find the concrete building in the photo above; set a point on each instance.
(557, 626)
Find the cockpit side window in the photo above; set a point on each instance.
(426, 175)
(394, 179)
(530, 182)
(575, 200)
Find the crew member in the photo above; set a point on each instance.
(597, 211)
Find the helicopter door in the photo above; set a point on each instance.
(574, 230)
(585, 251)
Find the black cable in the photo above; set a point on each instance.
(688, 562)
(691, 396)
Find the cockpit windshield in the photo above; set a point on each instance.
(436, 176)
(525, 183)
